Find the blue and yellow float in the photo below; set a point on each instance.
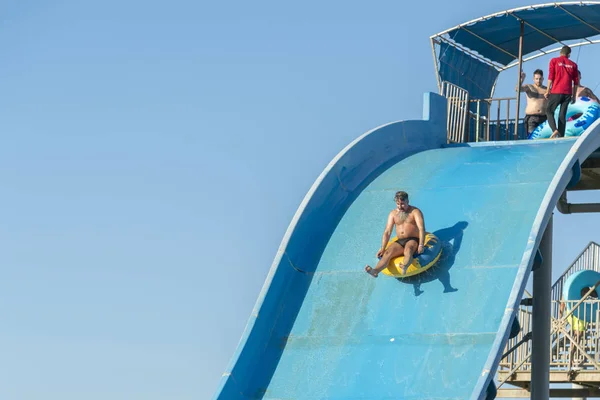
(432, 250)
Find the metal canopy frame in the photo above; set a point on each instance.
(441, 36)
(519, 59)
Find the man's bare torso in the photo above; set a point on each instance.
(406, 226)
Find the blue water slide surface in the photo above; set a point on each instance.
(324, 329)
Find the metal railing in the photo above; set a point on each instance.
(478, 120)
(517, 353)
(574, 343)
(458, 112)
(493, 120)
(588, 259)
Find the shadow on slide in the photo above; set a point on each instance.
(451, 239)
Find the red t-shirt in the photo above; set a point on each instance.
(563, 72)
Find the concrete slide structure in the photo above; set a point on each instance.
(323, 328)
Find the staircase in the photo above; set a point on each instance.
(574, 355)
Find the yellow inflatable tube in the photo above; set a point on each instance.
(432, 250)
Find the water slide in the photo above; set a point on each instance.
(323, 328)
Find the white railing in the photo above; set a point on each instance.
(589, 258)
(491, 120)
(574, 343)
(458, 112)
(480, 120)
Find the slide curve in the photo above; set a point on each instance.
(322, 328)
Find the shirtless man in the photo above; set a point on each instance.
(410, 230)
(535, 112)
(583, 91)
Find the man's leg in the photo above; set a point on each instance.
(582, 340)
(541, 120)
(553, 102)
(527, 124)
(573, 351)
(578, 354)
(562, 117)
(572, 347)
(394, 250)
(535, 121)
(409, 250)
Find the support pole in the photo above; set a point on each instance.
(437, 70)
(516, 132)
(540, 352)
(569, 208)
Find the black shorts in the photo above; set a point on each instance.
(402, 242)
(533, 121)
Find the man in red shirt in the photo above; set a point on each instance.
(563, 80)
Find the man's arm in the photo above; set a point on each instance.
(520, 87)
(548, 88)
(421, 225)
(561, 309)
(386, 234)
(550, 78)
(587, 92)
(524, 88)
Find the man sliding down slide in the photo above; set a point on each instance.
(410, 232)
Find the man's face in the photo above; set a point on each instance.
(538, 79)
(402, 205)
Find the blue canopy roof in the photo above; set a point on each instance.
(493, 40)
(497, 38)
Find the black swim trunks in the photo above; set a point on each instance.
(403, 242)
(533, 121)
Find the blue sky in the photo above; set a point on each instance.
(152, 157)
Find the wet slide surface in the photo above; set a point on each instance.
(358, 337)
(323, 328)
